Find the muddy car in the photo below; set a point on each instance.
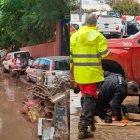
(9, 61)
(49, 68)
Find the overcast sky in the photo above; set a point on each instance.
(89, 1)
(94, 1)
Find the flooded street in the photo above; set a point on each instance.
(13, 125)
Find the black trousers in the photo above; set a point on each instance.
(102, 107)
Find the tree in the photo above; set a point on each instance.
(74, 5)
(28, 22)
(127, 7)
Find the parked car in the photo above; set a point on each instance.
(124, 57)
(9, 61)
(77, 25)
(132, 27)
(49, 67)
(3, 54)
(111, 26)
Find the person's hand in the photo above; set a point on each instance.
(76, 88)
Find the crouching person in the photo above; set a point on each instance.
(114, 89)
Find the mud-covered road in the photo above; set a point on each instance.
(13, 125)
(109, 132)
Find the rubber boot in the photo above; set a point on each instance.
(92, 127)
(86, 118)
(84, 133)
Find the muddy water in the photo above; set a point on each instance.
(13, 126)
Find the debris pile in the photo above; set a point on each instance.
(51, 103)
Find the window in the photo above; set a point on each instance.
(133, 36)
(9, 56)
(62, 65)
(23, 55)
(35, 63)
(76, 26)
(138, 41)
(44, 64)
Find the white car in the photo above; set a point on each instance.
(77, 24)
(8, 62)
(111, 26)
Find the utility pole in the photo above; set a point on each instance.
(80, 10)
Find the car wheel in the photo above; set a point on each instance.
(12, 74)
(27, 78)
(4, 70)
(121, 35)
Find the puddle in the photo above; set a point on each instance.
(74, 102)
(12, 123)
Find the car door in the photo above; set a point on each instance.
(44, 66)
(8, 61)
(33, 69)
(136, 60)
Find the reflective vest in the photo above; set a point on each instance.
(87, 47)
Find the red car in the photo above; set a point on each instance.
(124, 57)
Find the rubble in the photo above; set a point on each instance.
(51, 103)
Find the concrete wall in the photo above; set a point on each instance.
(42, 50)
(47, 49)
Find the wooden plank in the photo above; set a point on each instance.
(100, 121)
(133, 116)
(61, 122)
(112, 124)
(134, 124)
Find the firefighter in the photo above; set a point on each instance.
(114, 89)
(87, 47)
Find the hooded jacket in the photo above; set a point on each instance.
(87, 47)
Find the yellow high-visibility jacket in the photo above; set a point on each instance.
(87, 47)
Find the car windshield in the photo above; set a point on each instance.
(133, 36)
(62, 65)
(23, 55)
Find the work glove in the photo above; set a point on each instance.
(76, 88)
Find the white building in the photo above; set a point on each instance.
(97, 6)
(101, 8)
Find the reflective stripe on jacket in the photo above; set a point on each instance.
(87, 47)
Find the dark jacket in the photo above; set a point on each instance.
(114, 89)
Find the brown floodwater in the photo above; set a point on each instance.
(13, 125)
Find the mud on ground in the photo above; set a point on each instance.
(111, 132)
